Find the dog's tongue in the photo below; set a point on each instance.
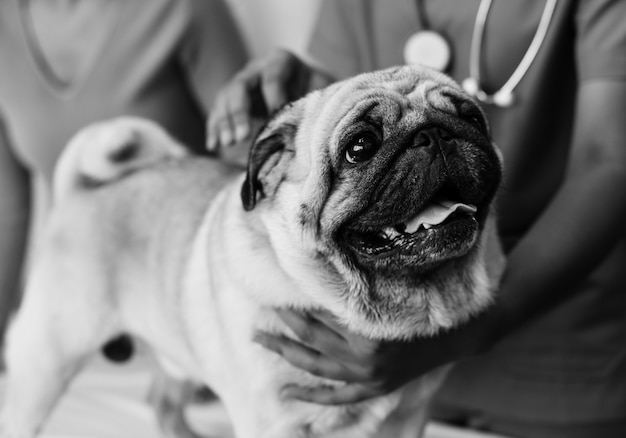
(436, 213)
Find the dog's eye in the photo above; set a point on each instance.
(474, 116)
(362, 148)
(477, 122)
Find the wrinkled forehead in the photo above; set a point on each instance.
(416, 85)
(406, 96)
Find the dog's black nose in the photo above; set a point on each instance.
(437, 138)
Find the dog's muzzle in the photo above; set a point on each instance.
(442, 221)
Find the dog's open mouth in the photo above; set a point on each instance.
(442, 229)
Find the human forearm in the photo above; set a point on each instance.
(14, 225)
(566, 244)
(583, 222)
(13, 237)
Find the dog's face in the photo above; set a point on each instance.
(384, 182)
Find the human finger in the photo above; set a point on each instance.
(274, 90)
(218, 124)
(284, 78)
(308, 328)
(331, 395)
(240, 103)
(229, 119)
(321, 332)
(305, 358)
(361, 348)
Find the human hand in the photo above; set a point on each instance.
(369, 368)
(258, 90)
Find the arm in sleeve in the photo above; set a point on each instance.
(212, 50)
(14, 224)
(585, 220)
(601, 39)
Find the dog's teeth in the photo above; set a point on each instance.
(412, 227)
(390, 232)
(427, 226)
(384, 235)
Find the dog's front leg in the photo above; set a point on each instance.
(55, 331)
(37, 374)
(410, 417)
(169, 397)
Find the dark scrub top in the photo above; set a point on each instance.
(570, 364)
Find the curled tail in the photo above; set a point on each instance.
(106, 151)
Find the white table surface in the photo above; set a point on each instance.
(109, 401)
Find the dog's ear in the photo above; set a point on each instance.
(270, 152)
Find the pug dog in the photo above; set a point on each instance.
(371, 199)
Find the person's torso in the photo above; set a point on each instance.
(135, 71)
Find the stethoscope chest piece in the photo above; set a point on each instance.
(427, 48)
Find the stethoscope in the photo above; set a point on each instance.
(430, 48)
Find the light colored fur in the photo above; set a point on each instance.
(165, 252)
